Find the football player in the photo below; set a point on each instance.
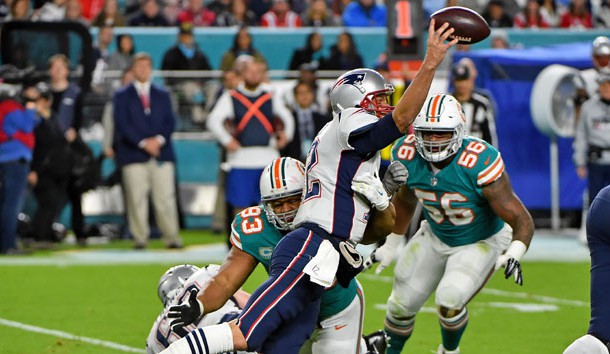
(333, 215)
(597, 341)
(600, 55)
(471, 215)
(175, 286)
(255, 232)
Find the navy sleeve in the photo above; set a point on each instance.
(375, 136)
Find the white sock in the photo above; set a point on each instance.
(207, 340)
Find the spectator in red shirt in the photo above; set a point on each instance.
(280, 15)
(577, 16)
(530, 17)
(197, 14)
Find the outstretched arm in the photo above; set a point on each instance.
(413, 99)
(405, 202)
(234, 271)
(507, 206)
(380, 225)
(232, 274)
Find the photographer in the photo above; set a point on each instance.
(16, 144)
(52, 170)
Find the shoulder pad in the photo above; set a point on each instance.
(481, 159)
(404, 149)
(248, 222)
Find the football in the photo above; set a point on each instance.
(470, 27)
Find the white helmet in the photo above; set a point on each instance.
(359, 88)
(600, 52)
(284, 177)
(440, 113)
(173, 279)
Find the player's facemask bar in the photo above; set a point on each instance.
(282, 220)
(438, 150)
(377, 101)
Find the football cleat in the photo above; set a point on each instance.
(442, 350)
(376, 342)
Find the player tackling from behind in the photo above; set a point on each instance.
(471, 217)
(332, 217)
(255, 232)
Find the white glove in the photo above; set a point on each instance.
(395, 177)
(384, 254)
(510, 261)
(371, 188)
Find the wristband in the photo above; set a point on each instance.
(516, 250)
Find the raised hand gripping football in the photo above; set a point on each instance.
(187, 312)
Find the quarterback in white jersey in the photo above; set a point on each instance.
(174, 287)
(332, 160)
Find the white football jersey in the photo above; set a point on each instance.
(331, 165)
(160, 336)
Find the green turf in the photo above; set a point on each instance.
(119, 304)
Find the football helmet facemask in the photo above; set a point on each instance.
(364, 88)
(440, 113)
(601, 52)
(173, 279)
(284, 177)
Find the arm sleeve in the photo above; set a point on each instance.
(374, 136)
(222, 110)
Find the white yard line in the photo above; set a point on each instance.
(70, 336)
(541, 298)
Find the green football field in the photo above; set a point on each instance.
(109, 308)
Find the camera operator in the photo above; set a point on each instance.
(51, 170)
(16, 143)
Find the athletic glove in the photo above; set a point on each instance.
(187, 312)
(384, 254)
(371, 188)
(395, 176)
(510, 261)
